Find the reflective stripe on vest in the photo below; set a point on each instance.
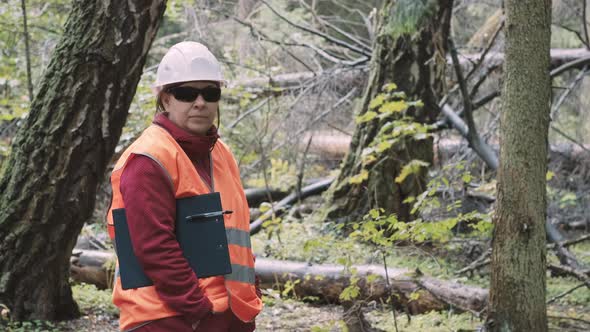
(238, 237)
(241, 273)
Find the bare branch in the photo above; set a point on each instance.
(335, 60)
(27, 51)
(584, 24)
(576, 32)
(337, 29)
(568, 137)
(318, 33)
(578, 274)
(567, 92)
(248, 112)
(559, 296)
(481, 148)
(570, 65)
(487, 49)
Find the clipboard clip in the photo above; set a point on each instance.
(209, 214)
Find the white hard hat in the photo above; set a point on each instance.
(187, 61)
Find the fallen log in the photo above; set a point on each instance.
(559, 57)
(255, 196)
(326, 282)
(92, 267)
(418, 293)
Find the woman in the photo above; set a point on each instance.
(179, 156)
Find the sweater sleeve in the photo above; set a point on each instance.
(151, 209)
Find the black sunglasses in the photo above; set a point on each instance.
(189, 94)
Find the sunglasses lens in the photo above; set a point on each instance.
(211, 94)
(188, 94)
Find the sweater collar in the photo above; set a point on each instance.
(196, 147)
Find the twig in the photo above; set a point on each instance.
(485, 99)
(584, 24)
(575, 241)
(256, 32)
(279, 208)
(570, 65)
(337, 29)
(482, 260)
(577, 33)
(488, 48)
(567, 92)
(389, 290)
(570, 318)
(559, 296)
(335, 60)
(27, 51)
(315, 120)
(467, 106)
(248, 112)
(480, 81)
(318, 33)
(302, 168)
(580, 275)
(569, 138)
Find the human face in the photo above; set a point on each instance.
(196, 117)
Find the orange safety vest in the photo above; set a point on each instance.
(235, 290)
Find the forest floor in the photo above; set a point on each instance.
(314, 242)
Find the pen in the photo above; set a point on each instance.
(209, 214)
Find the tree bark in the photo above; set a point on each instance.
(61, 151)
(518, 281)
(416, 64)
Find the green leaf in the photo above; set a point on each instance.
(368, 116)
(384, 146)
(359, 178)
(390, 87)
(377, 101)
(374, 213)
(549, 175)
(411, 168)
(393, 107)
(409, 200)
(264, 206)
(466, 177)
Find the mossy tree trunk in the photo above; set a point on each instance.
(61, 151)
(415, 62)
(517, 293)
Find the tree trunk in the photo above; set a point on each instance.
(416, 64)
(517, 295)
(61, 151)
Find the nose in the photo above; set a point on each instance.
(200, 101)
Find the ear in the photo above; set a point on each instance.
(165, 97)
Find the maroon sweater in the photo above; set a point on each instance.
(151, 209)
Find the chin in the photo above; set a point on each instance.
(199, 130)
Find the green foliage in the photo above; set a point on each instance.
(30, 326)
(89, 298)
(281, 175)
(407, 15)
(410, 168)
(339, 325)
(390, 107)
(351, 292)
(289, 288)
(429, 322)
